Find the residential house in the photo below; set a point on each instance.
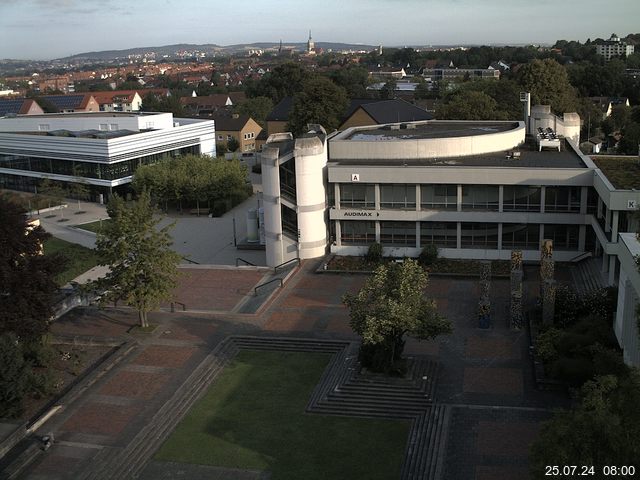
(606, 104)
(371, 112)
(240, 127)
(79, 102)
(118, 101)
(19, 106)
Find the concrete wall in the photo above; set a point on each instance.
(416, 148)
(625, 325)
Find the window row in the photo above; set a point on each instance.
(104, 171)
(516, 198)
(472, 235)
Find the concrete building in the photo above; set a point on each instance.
(614, 47)
(476, 190)
(103, 150)
(435, 74)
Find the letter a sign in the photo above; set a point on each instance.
(355, 177)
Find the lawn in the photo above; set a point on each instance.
(622, 172)
(93, 226)
(79, 258)
(253, 418)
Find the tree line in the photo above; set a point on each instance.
(194, 181)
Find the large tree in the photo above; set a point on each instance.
(548, 83)
(602, 430)
(470, 105)
(257, 108)
(390, 305)
(27, 278)
(283, 81)
(320, 101)
(142, 266)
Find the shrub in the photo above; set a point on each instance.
(428, 255)
(568, 306)
(14, 376)
(374, 254)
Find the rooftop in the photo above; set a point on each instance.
(622, 172)
(529, 157)
(431, 129)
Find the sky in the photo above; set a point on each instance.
(47, 29)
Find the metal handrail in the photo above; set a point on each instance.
(245, 261)
(275, 269)
(190, 261)
(255, 290)
(580, 257)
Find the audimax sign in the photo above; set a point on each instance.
(360, 214)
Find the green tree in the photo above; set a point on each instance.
(142, 266)
(14, 376)
(390, 305)
(27, 278)
(388, 90)
(469, 105)
(602, 430)
(283, 81)
(630, 141)
(548, 83)
(320, 101)
(354, 79)
(233, 144)
(52, 191)
(154, 103)
(257, 108)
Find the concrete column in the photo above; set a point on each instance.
(417, 234)
(459, 199)
(541, 239)
(612, 269)
(605, 263)
(459, 236)
(614, 226)
(500, 231)
(377, 231)
(338, 238)
(600, 203)
(418, 198)
(582, 237)
(607, 221)
(584, 193)
(543, 194)
(500, 201)
(377, 194)
(311, 159)
(336, 194)
(271, 204)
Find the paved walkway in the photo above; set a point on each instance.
(486, 379)
(203, 240)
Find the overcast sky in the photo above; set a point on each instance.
(46, 29)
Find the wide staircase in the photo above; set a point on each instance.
(587, 275)
(343, 390)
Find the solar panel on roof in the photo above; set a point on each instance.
(65, 102)
(10, 106)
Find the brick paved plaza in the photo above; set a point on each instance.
(485, 375)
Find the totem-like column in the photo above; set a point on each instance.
(484, 305)
(547, 282)
(549, 302)
(516, 317)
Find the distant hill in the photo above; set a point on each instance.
(210, 49)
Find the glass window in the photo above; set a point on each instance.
(592, 201)
(288, 179)
(562, 199)
(480, 235)
(565, 237)
(440, 234)
(480, 197)
(398, 196)
(439, 197)
(521, 198)
(520, 236)
(398, 234)
(357, 233)
(357, 196)
(289, 222)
